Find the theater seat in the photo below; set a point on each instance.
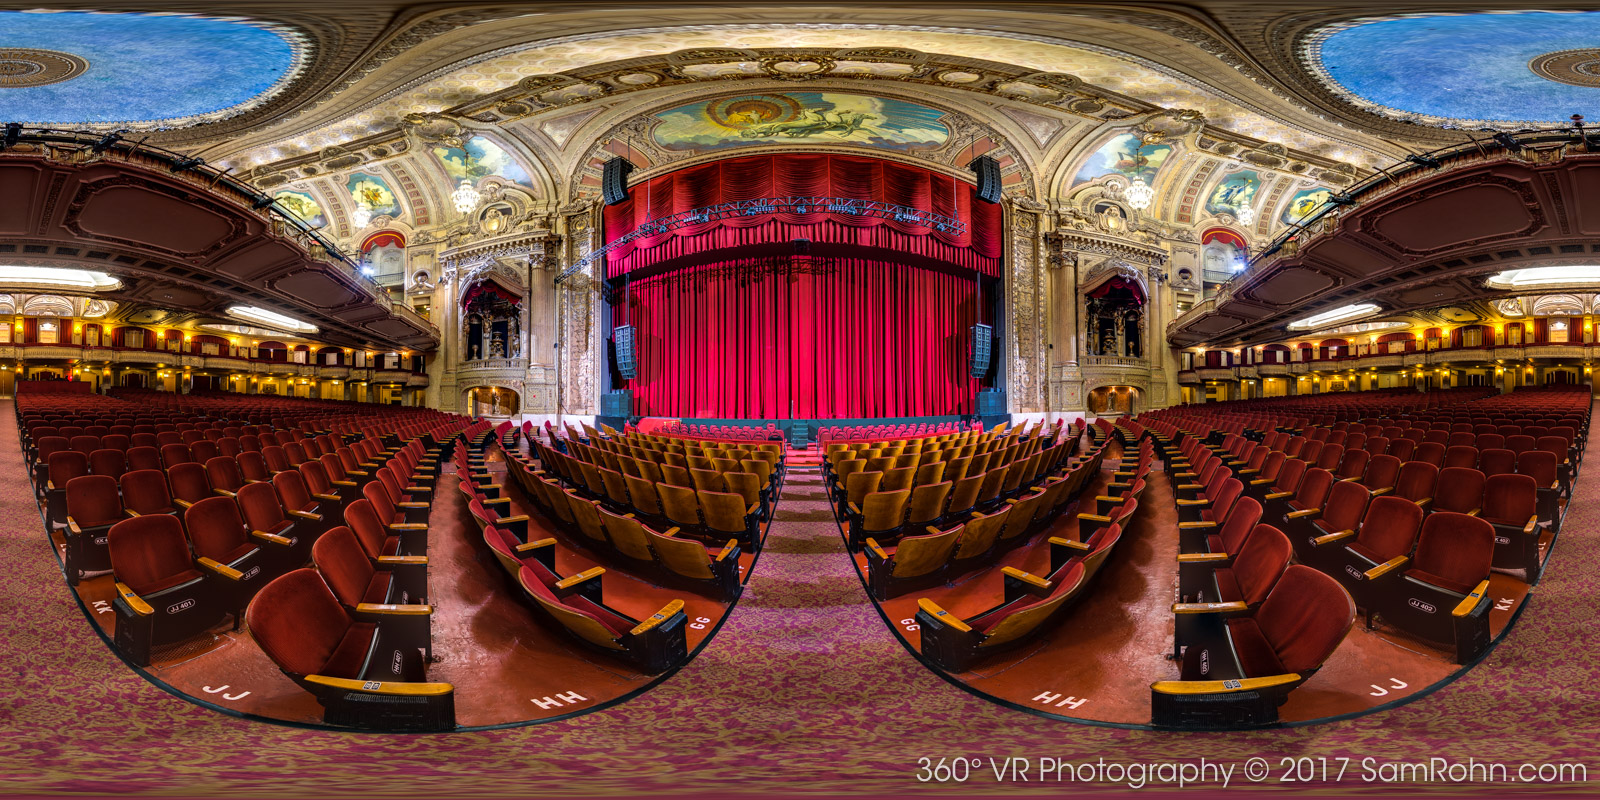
(1388, 533)
(954, 645)
(1511, 505)
(1242, 677)
(1212, 587)
(357, 582)
(93, 506)
(653, 645)
(366, 673)
(915, 563)
(164, 595)
(1442, 594)
(219, 533)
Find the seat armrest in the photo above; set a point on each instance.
(1333, 537)
(219, 568)
(513, 520)
(573, 581)
(413, 526)
(944, 617)
(135, 602)
(1057, 541)
(416, 561)
(876, 550)
(1210, 608)
(1203, 558)
(1385, 568)
(1467, 603)
(271, 537)
(667, 612)
(340, 483)
(1310, 512)
(306, 515)
(394, 609)
(1194, 526)
(1533, 523)
(383, 688)
(1223, 687)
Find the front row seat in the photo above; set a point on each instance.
(1240, 676)
(366, 671)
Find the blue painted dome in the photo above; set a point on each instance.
(85, 69)
(1502, 69)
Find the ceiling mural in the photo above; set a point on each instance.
(1235, 191)
(747, 120)
(1126, 155)
(1503, 69)
(1304, 203)
(140, 71)
(302, 205)
(373, 192)
(478, 158)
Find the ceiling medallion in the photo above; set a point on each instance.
(1572, 67)
(21, 68)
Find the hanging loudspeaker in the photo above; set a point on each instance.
(979, 364)
(614, 180)
(626, 365)
(988, 172)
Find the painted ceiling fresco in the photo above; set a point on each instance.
(479, 158)
(1466, 69)
(1126, 155)
(137, 70)
(748, 120)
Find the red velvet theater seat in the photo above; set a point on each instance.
(1240, 678)
(1441, 594)
(1511, 505)
(93, 505)
(1211, 587)
(653, 645)
(366, 672)
(1029, 602)
(164, 595)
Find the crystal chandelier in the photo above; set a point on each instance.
(362, 216)
(1139, 194)
(466, 197)
(1246, 216)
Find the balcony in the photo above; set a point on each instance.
(480, 371)
(1272, 370)
(1246, 370)
(1576, 351)
(1187, 377)
(332, 373)
(417, 379)
(1216, 373)
(390, 376)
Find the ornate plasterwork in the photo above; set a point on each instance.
(577, 308)
(1025, 296)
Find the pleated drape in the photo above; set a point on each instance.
(977, 248)
(873, 339)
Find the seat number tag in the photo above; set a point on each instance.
(371, 685)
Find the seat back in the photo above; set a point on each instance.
(927, 503)
(579, 621)
(364, 523)
(1261, 562)
(1345, 506)
(1496, 461)
(1539, 465)
(924, 555)
(215, 527)
(189, 482)
(298, 622)
(1241, 520)
(1460, 490)
(1382, 472)
(858, 485)
(883, 511)
(1023, 619)
(1314, 487)
(979, 534)
(1461, 456)
(64, 465)
(145, 551)
(1455, 547)
(344, 565)
(1304, 618)
(680, 504)
(626, 533)
(1390, 527)
(1416, 481)
(261, 509)
(1510, 499)
(291, 490)
(143, 458)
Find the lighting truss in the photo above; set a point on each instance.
(777, 205)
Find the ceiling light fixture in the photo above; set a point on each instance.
(54, 278)
(362, 216)
(1542, 277)
(1139, 194)
(1340, 314)
(466, 197)
(1246, 216)
(271, 319)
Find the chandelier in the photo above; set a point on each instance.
(466, 197)
(1246, 216)
(1139, 194)
(362, 216)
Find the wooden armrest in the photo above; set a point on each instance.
(1193, 503)
(394, 609)
(419, 489)
(523, 548)
(1223, 687)
(271, 537)
(1202, 558)
(1194, 526)
(876, 549)
(409, 526)
(1057, 541)
(390, 688)
(586, 575)
(130, 512)
(1381, 492)
(1026, 577)
(517, 518)
(1385, 568)
(306, 515)
(1302, 514)
(362, 473)
(1333, 537)
(1474, 512)
(659, 617)
(329, 498)
(1462, 609)
(1191, 486)
(1278, 495)
(221, 569)
(942, 615)
(1425, 501)
(496, 501)
(343, 483)
(727, 549)
(1210, 608)
(134, 601)
(182, 503)
(754, 507)
(72, 525)
(1533, 522)
(397, 561)
(1094, 517)
(415, 504)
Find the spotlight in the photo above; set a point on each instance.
(1341, 200)
(106, 142)
(262, 202)
(188, 164)
(1426, 161)
(1506, 140)
(13, 133)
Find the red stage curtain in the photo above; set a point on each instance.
(804, 175)
(875, 339)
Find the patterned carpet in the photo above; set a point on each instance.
(803, 692)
